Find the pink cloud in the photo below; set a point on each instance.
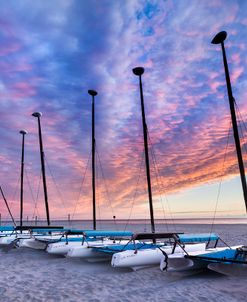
(9, 48)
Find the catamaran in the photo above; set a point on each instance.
(78, 246)
(135, 253)
(30, 236)
(10, 234)
(229, 260)
(190, 259)
(149, 254)
(93, 239)
(95, 252)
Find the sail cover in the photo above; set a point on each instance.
(197, 237)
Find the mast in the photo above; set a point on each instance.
(23, 133)
(42, 158)
(219, 39)
(138, 71)
(93, 93)
(6, 203)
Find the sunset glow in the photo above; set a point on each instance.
(52, 52)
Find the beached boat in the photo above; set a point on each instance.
(92, 240)
(229, 261)
(94, 252)
(189, 259)
(150, 254)
(80, 246)
(234, 260)
(86, 239)
(6, 230)
(9, 235)
(135, 253)
(40, 237)
(226, 260)
(37, 235)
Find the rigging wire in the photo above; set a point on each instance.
(241, 130)
(160, 184)
(30, 187)
(157, 177)
(242, 134)
(136, 189)
(106, 187)
(97, 194)
(56, 185)
(221, 179)
(80, 190)
(36, 211)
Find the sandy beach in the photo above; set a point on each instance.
(31, 275)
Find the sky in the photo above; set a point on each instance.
(52, 52)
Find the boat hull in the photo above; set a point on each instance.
(62, 248)
(32, 243)
(180, 262)
(138, 259)
(229, 269)
(87, 252)
(38, 242)
(6, 240)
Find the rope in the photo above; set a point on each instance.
(164, 263)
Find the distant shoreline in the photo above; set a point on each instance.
(138, 221)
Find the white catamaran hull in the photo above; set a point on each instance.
(148, 257)
(6, 240)
(229, 269)
(62, 248)
(39, 242)
(87, 252)
(32, 243)
(177, 262)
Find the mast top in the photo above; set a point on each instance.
(219, 38)
(37, 114)
(92, 92)
(138, 71)
(23, 132)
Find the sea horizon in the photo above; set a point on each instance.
(74, 222)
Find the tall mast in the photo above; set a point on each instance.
(138, 71)
(93, 93)
(23, 133)
(42, 158)
(219, 39)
